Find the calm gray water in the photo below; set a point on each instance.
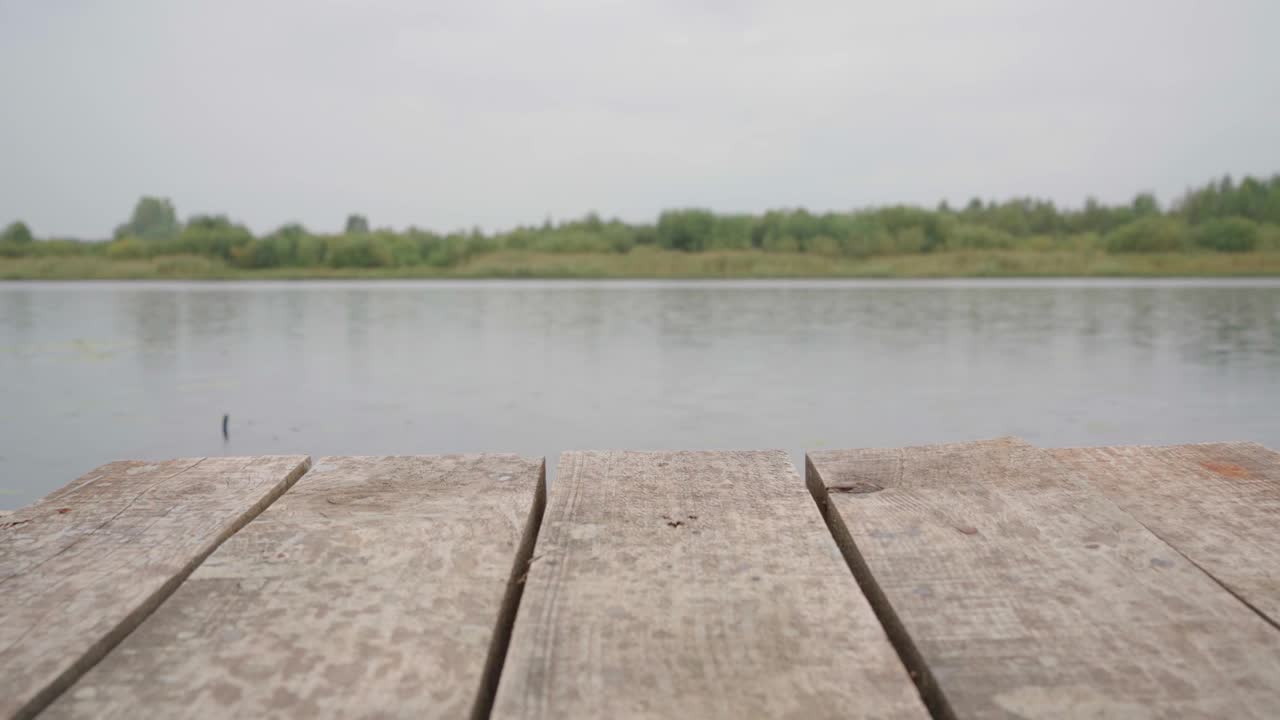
(91, 372)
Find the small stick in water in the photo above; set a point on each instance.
(225, 419)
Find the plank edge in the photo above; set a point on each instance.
(926, 685)
(487, 693)
(105, 644)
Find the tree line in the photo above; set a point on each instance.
(1221, 216)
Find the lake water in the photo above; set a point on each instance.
(91, 372)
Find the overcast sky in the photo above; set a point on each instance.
(454, 114)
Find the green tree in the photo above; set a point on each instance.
(214, 235)
(687, 230)
(1145, 204)
(357, 225)
(17, 233)
(153, 219)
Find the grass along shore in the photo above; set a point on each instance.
(657, 263)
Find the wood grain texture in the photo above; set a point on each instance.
(1218, 504)
(82, 567)
(693, 584)
(372, 589)
(1030, 594)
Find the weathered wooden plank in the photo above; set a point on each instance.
(1029, 594)
(82, 567)
(1218, 504)
(377, 587)
(693, 584)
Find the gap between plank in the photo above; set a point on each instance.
(107, 642)
(501, 641)
(1202, 569)
(934, 700)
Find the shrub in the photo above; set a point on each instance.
(1233, 234)
(126, 248)
(777, 242)
(866, 238)
(447, 251)
(1149, 234)
(730, 232)
(310, 251)
(909, 240)
(1269, 237)
(270, 251)
(823, 245)
(365, 251)
(404, 249)
(213, 235)
(965, 236)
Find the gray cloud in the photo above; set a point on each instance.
(453, 114)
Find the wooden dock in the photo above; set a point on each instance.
(987, 579)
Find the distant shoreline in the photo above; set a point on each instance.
(652, 263)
